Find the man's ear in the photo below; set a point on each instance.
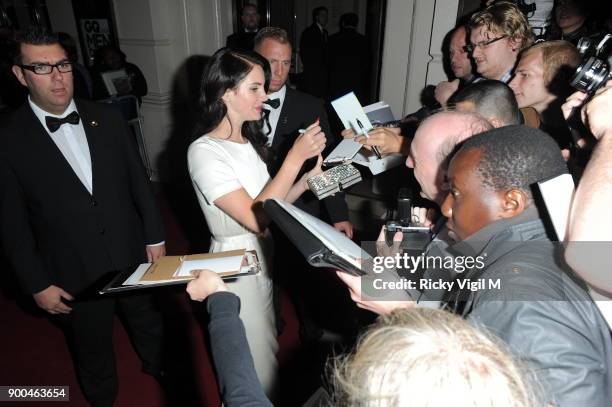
(514, 202)
(18, 72)
(495, 122)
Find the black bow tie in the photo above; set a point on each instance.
(266, 119)
(273, 103)
(54, 123)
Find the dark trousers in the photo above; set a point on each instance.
(89, 330)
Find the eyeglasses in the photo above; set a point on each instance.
(469, 48)
(46, 69)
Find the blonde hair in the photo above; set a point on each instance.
(431, 358)
(274, 33)
(504, 18)
(559, 58)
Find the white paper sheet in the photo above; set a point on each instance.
(558, 193)
(218, 265)
(137, 274)
(351, 114)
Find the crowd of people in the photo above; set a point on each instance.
(75, 204)
(323, 56)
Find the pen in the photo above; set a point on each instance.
(365, 133)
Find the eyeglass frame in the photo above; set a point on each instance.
(32, 68)
(469, 48)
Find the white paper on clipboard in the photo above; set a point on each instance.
(351, 114)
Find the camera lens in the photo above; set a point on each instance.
(591, 75)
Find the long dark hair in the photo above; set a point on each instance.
(226, 69)
(588, 27)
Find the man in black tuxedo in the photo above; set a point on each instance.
(286, 111)
(348, 48)
(313, 50)
(75, 204)
(250, 26)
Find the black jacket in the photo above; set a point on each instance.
(313, 52)
(541, 310)
(300, 110)
(348, 59)
(53, 231)
(241, 41)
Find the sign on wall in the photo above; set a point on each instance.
(96, 34)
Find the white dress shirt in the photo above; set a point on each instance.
(71, 141)
(275, 113)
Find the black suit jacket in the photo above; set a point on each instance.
(313, 51)
(53, 231)
(348, 58)
(300, 110)
(241, 40)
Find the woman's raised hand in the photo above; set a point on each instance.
(310, 144)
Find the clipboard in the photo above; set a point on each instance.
(319, 243)
(174, 270)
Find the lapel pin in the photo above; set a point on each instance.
(93, 123)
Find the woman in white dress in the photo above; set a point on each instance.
(229, 174)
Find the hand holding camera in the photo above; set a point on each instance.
(415, 237)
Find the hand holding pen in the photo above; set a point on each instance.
(310, 142)
(365, 134)
(387, 140)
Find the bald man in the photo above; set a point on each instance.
(433, 142)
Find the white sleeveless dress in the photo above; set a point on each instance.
(218, 167)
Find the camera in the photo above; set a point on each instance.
(594, 71)
(415, 238)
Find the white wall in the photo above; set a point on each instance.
(159, 36)
(412, 58)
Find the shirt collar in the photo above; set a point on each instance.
(506, 77)
(40, 113)
(279, 94)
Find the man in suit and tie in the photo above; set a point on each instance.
(250, 25)
(313, 50)
(348, 48)
(75, 204)
(286, 111)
